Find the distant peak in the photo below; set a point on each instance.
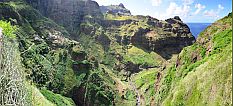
(115, 9)
(121, 5)
(177, 18)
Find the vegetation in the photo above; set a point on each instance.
(117, 17)
(12, 87)
(204, 78)
(7, 29)
(138, 56)
(97, 64)
(57, 99)
(145, 83)
(37, 98)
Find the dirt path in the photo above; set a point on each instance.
(121, 87)
(158, 79)
(139, 98)
(137, 93)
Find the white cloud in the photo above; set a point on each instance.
(156, 2)
(211, 13)
(199, 8)
(175, 9)
(220, 8)
(188, 2)
(214, 13)
(172, 8)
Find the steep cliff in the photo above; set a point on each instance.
(68, 13)
(165, 38)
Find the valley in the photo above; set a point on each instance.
(77, 53)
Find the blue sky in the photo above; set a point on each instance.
(195, 11)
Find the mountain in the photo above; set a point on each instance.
(70, 53)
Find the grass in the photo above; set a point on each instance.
(138, 56)
(12, 76)
(37, 21)
(117, 17)
(145, 77)
(221, 40)
(37, 98)
(130, 29)
(206, 81)
(57, 98)
(198, 85)
(144, 82)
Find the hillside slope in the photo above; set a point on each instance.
(202, 74)
(11, 71)
(69, 50)
(51, 59)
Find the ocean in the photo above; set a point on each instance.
(197, 28)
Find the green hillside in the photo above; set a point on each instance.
(50, 56)
(202, 74)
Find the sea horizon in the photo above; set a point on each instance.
(197, 28)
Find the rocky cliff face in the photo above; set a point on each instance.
(68, 13)
(175, 35)
(163, 37)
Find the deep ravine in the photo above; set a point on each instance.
(75, 52)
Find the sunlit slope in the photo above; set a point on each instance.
(202, 74)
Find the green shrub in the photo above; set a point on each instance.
(130, 95)
(221, 40)
(167, 82)
(141, 57)
(57, 99)
(7, 29)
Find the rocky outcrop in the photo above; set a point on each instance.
(104, 41)
(164, 37)
(115, 9)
